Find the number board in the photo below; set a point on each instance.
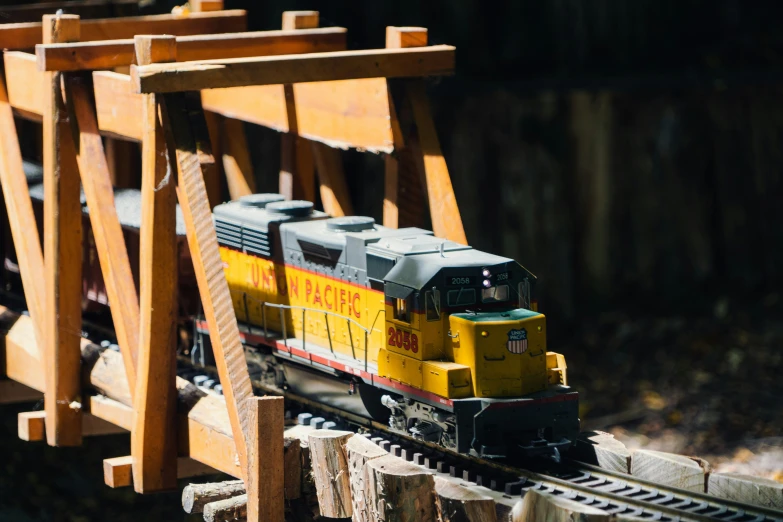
(460, 280)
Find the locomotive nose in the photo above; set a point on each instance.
(507, 351)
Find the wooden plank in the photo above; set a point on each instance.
(153, 440)
(670, 469)
(62, 256)
(315, 67)
(12, 392)
(21, 219)
(331, 180)
(747, 489)
(202, 6)
(117, 471)
(266, 470)
(186, 138)
(236, 159)
(341, 114)
(446, 220)
(106, 228)
(31, 425)
(28, 35)
(26, 86)
(108, 54)
(118, 108)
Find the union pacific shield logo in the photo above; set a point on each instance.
(517, 341)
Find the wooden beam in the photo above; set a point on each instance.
(93, 426)
(331, 180)
(28, 35)
(341, 114)
(402, 172)
(316, 67)
(33, 12)
(31, 425)
(108, 54)
(153, 441)
(446, 220)
(62, 255)
(21, 219)
(297, 170)
(236, 159)
(12, 392)
(106, 228)
(266, 470)
(111, 411)
(187, 136)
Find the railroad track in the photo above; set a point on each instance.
(615, 493)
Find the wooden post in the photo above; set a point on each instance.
(360, 451)
(183, 123)
(459, 504)
(427, 156)
(404, 186)
(297, 171)
(62, 255)
(398, 490)
(331, 180)
(266, 469)
(153, 439)
(330, 470)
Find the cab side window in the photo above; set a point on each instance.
(432, 304)
(402, 310)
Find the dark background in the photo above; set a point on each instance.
(628, 153)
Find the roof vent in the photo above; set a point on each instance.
(291, 208)
(350, 224)
(260, 200)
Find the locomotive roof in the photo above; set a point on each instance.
(416, 271)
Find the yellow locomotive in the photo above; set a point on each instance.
(442, 341)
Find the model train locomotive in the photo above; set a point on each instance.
(439, 340)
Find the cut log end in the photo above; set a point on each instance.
(459, 504)
(196, 496)
(398, 490)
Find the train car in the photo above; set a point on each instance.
(95, 302)
(438, 339)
